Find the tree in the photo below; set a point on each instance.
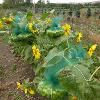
(8, 1)
(48, 1)
(29, 1)
(41, 2)
(13, 2)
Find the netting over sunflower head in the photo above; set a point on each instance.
(20, 25)
(56, 23)
(68, 58)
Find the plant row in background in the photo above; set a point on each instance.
(61, 59)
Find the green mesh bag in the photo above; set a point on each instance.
(67, 58)
(55, 30)
(20, 30)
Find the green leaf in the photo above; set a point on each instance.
(44, 16)
(37, 79)
(81, 73)
(51, 54)
(69, 83)
(28, 52)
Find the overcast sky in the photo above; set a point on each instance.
(64, 1)
(67, 1)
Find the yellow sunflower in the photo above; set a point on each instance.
(79, 36)
(91, 50)
(67, 29)
(36, 52)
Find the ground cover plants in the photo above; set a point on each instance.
(60, 58)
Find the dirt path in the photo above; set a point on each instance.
(13, 70)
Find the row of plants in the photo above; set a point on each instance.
(60, 58)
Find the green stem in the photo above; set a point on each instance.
(51, 94)
(67, 42)
(94, 73)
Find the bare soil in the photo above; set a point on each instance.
(12, 70)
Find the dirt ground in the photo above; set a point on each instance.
(13, 70)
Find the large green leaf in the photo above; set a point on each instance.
(81, 73)
(54, 52)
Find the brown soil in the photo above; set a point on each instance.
(9, 76)
(95, 38)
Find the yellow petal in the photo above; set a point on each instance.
(4, 18)
(37, 56)
(31, 91)
(19, 86)
(94, 46)
(25, 91)
(91, 50)
(33, 47)
(67, 29)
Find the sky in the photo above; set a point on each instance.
(64, 1)
(67, 1)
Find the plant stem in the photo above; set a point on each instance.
(68, 42)
(94, 73)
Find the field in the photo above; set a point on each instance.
(21, 68)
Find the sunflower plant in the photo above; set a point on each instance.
(60, 59)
